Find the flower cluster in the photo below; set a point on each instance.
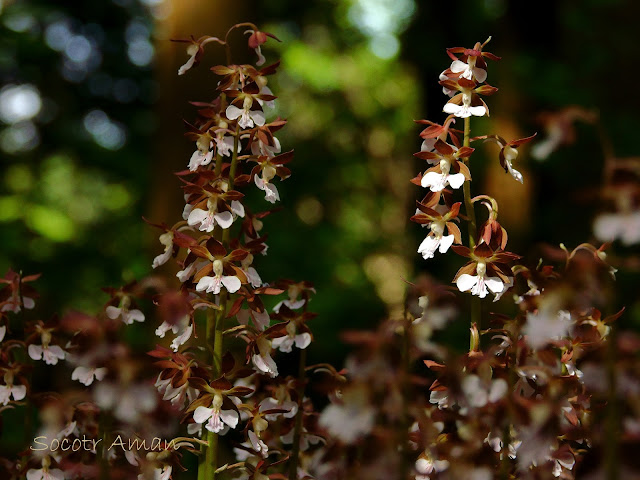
(237, 391)
(217, 377)
(547, 389)
(528, 400)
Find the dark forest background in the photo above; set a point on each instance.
(91, 130)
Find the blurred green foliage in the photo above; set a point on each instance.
(74, 139)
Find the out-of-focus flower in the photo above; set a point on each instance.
(546, 325)
(86, 375)
(286, 342)
(352, 418)
(256, 40)
(479, 392)
(123, 309)
(625, 226)
(426, 465)
(45, 474)
(508, 152)
(18, 392)
(195, 50)
(49, 353)
(559, 129)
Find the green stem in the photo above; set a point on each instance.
(232, 175)
(103, 426)
(218, 334)
(466, 188)
(214, 335)
(234, 158)
(297, 433)
(476, 307)
(206, 451)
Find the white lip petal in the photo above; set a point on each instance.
(478, 111)
(258, 117)
(186, 211)
(34, 474)
(224, 219)
(457, 66)
(233, 112)
(81, 374)
(113, 312)
(202, 414)
(136, 315)
(284, 344)
(480, 289)
(182, 338)
(494, 284)
(29, 303)
(35, 352)
(230, 417)
(196, 216)
(452, 108)
(466, 282)
(303, 340)
(232, 284)
(100, 373)
(271, 193)
(428, 247)
(445, 243)
(515, 173)
(166, 473)
(254, 277)
(237, 208)
(456, 180)
(187, 66)
(204, 284)
(159, 260)
(434, 181)
(480, 74)
(19, 392)
(266, 365)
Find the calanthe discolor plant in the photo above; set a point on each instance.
(547, 390)
(236, 390)
(219, 373)
(527, 401)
